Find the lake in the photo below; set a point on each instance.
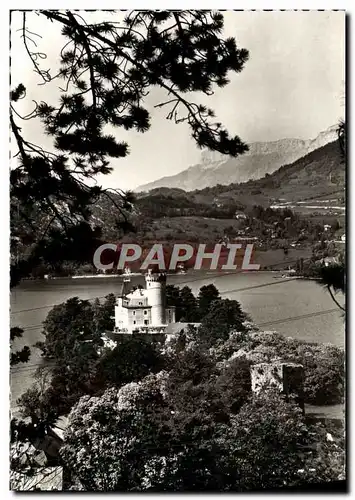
(296, 308)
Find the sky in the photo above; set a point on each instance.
(292, 86)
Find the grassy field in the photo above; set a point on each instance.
(190, 229)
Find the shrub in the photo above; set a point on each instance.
(223, 317)
(324, 374)
(324, 365)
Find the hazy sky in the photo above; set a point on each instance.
(292, 86)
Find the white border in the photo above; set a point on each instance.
(184, 4)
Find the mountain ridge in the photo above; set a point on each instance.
(261, 159)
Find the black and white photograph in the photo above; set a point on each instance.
(178, 231)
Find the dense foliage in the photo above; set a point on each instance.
(181, 415)
(188, 308)
(106, 69)
(324, 364)
(223, 317)
(142, 438)
(79, 363)
(131, 360)
(22, 355)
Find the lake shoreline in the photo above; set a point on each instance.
(297, 308)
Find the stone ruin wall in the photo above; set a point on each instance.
(288, 378)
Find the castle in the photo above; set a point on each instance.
(144, 310)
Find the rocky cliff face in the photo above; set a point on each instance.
(261, 159)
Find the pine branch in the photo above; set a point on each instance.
(88, 53)
(334, 299)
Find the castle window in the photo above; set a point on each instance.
(140, 303)
(134, 322)
(134, 313)
(145, 312)
(146, 322)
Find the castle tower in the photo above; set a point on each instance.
(156, 294)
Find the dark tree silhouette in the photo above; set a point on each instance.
(106, 71)
(333, 278)
(22, 355)
(341, 131)
(207, 295)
